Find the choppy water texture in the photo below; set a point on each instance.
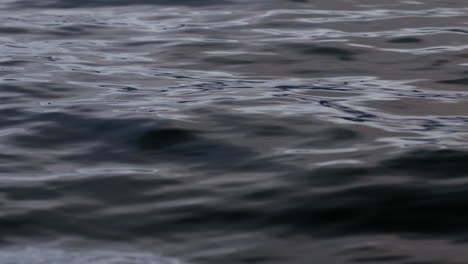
(233, 131)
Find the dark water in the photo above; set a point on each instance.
(233, 131)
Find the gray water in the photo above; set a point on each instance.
(233, 131)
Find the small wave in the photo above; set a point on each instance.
(33, 255)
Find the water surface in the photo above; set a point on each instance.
(233, 131)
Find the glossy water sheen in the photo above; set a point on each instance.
(233, 131)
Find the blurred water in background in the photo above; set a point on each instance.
(233, 131)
